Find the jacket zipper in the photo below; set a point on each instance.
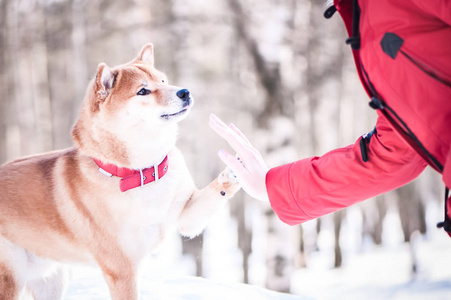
(424, 69)
(400, 125)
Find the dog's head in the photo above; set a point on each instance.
(139, 92)
(128, 104)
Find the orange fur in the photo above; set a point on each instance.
(7, 284)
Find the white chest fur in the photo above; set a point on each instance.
(142, 215)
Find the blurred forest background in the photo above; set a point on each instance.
(277, 69)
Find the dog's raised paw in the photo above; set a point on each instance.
(228, 182)
(227, 177)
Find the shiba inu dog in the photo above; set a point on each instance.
(108, 200)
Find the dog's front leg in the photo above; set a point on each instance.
(50, 287)
(204, 203)
(122, 282)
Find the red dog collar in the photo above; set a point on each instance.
(130, 178)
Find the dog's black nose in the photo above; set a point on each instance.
(184, 95)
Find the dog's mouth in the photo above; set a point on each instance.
(170, 116)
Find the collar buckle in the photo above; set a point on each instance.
(105, 172)
(155, 173)
(142, 177)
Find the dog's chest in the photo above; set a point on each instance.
(142, 217)
(142, 230)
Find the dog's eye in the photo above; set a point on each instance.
(162, 80)
(143, 92)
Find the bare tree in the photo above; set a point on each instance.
(62, 94)
(277, 102)
(244, 233)
(338, 218)
(41, 87)
(411, 210)
(193, 247)
(3, 81)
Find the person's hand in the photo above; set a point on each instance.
(248, 166)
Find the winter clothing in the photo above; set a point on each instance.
(402, 51)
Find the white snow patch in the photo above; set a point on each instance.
(381, 273)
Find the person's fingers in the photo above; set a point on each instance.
(249, 167)
(221, 128)
(251, 153)
(240, 133)
(234, 139)
(216, 121)
(233, 163)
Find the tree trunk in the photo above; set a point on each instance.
(277, 102)
(279, 258)
(244, 233)
(4, 107)
(13, 137)
(381, 213)
(338, 218)
(301, 260)
(411, 210)
(78, 55)
(41, 86)
(193, 247)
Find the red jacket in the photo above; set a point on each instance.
(404, 60)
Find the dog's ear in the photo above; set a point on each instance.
(146, 54)
(103, 84)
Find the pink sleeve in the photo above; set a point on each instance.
(315, 186)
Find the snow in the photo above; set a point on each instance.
(380, 272)
(377, 273)
(175, 288)
(88, 284)
(368, 271)
(166, 275)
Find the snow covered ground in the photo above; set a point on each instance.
(166, 276)
(177, 288)
(368, 271)
(167, 280)
(381, 272)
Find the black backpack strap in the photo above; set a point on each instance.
(354, 40)
(330, 11)
(446, 223)
(363, 144)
